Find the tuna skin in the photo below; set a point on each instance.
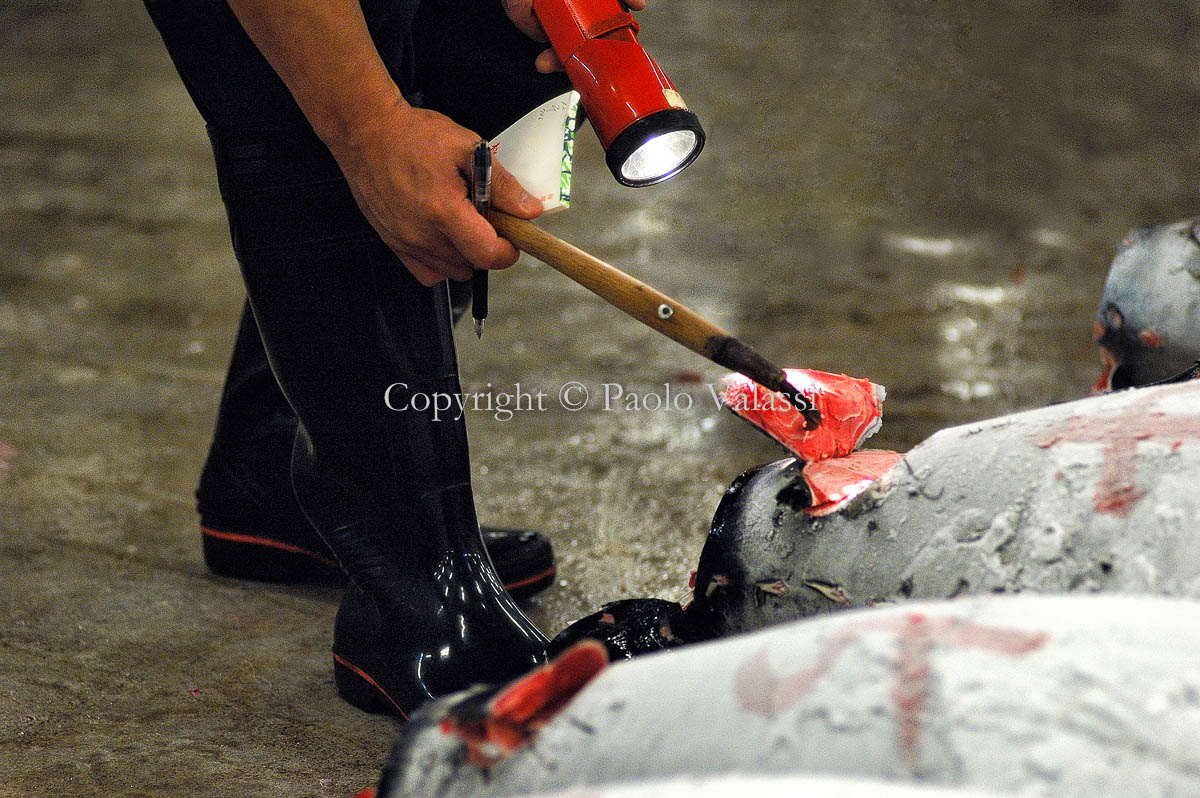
(1096, 495)
(1148, 322)
(742, 784)
(1092, 696)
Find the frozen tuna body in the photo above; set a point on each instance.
(1097, 495)
(851, 411)
(1065, 695)
(743, 785)
(1148, 322)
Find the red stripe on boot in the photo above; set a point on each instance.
(510, 586)
(362, 674)
(234, 537)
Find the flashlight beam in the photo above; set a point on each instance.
(651, 307)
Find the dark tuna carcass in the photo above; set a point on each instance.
(1032, 695)
(1148, 323)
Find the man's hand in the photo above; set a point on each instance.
(407, 167)
(408, 171)
(521, 14)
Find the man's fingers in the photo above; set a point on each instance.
(425, 275)
(547, 62)
(434, 259)
(521, 14)
(477, 241)
(430, 270)
(509, 196)
(447, 260)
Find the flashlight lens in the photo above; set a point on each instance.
(660, 156)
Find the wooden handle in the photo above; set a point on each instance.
(649, 306)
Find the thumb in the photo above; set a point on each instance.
(547, 62)
(509, 196)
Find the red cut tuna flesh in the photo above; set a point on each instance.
(851, 411)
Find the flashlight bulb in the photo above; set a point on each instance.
(655, 148)
(659, 157)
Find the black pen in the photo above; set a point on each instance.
(481, 195)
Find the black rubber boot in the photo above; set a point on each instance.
(524, 560)
(251, 525)
(343, 323)
(250, 522)
(457, 620)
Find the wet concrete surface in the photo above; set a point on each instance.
(927, 194)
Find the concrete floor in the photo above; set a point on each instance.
(927, 194)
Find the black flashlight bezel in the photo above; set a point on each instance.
(638, 133)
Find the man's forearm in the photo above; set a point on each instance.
(405, 166)
(324, 54)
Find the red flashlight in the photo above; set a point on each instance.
(647, 131)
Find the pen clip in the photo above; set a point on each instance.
(481, 177)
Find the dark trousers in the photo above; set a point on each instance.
(333, 317)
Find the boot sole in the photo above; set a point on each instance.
(535, 558)
(359, 690)
(524, 588)
(260, 559)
